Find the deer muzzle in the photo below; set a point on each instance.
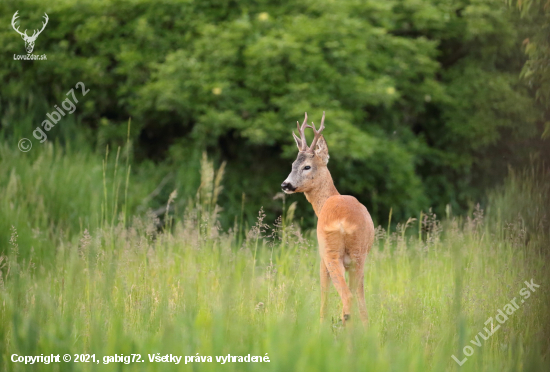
(288, 188)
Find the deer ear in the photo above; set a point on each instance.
(321, 149)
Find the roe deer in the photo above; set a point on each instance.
(344, 228)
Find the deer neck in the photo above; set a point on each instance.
(323, 190)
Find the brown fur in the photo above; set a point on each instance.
(345, 231)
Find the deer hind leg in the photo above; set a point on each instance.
(332, 253)
(337, 272)
(356, 279)
(325, 282)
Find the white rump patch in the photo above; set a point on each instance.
(347, 260)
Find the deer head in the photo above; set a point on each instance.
(29, 40)
(310, 167)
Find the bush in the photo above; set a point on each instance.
(422, 97)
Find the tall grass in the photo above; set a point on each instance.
(524, 199)
(184, 286)
(53, 193)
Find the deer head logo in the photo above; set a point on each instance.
(29, 40)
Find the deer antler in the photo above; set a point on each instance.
(302, 139)
(13, 19)
(317, 132)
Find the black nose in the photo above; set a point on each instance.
(287, 186)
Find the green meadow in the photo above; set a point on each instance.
(88, 271)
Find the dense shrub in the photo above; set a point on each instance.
(423, 98)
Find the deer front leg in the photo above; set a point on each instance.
(325, 282)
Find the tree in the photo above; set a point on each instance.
(422, 97)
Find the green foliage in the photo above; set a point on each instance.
(416, 92)
(536, 71)
(536, 13)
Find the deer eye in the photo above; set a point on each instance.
(307, 167)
